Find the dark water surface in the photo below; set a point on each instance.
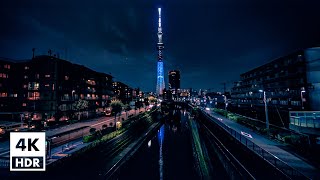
(167, 155)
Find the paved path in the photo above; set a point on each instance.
(96, 123)
(273, 147)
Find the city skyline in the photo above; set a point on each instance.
(119, 39)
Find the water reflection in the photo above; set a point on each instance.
(149, 143)
(160, 138)
(174, 120)
(168, 155)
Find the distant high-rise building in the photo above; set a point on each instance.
(174, 80)
(160, 47)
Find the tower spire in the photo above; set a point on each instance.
(160, 47)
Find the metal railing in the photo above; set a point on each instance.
(267, 156)
(234, 168)
(4, 162)
(117, 166)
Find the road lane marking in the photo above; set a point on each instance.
(246, 134)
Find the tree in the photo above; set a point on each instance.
(138, 105)
(116, 106)
(146, 102)
(105, 126)
(127, 108)
(152, 99)
(79, 106)
(92, 130)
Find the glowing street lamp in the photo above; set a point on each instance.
(265, 108)
(73, 91)
(225, 104)
(301, 94)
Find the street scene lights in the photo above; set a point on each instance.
(225, 104)
(73, 91)
(265, 108)
(302, 99)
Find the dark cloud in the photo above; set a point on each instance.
(209, 41)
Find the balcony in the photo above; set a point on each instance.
(91, 82)
(64, 98)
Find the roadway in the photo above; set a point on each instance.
(275, 148)
(75, 136)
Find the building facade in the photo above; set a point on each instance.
(174, 80)
(11, 95)
(124, 93)
(46, 88)
(290, 83)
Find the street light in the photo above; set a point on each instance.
(225, 104)
(265, 108)
(73, 91)
(301, 94)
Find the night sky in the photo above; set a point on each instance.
(209, 41)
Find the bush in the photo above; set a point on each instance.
(263, 130)
(292, 139)
(88, 138)
(92, 130)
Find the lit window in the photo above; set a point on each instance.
(3, 94)
(33, 86)
(47, 85)
(66, 78)
(26, 67)
(33, 95)
(26, 77)
(47, 75)
(15, 95)
(24, 104)
(7, 66)
(25, 86)
(37, 76)
(3, 75)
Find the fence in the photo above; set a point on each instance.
(61, 139)
(234, 168)
(4, 162)
(267, 156)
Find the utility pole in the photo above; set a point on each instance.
(33, 50)
(266, 109)
(50, 52)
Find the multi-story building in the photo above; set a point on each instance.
(289, 83)
(11, 97)
(49, 86)
(174, 80)
(174, 83)
(123, 92)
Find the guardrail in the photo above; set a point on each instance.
(113, 170)
(267, 156)
(236, 169)
(4, 162)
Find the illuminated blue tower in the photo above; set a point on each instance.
(160, 46)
